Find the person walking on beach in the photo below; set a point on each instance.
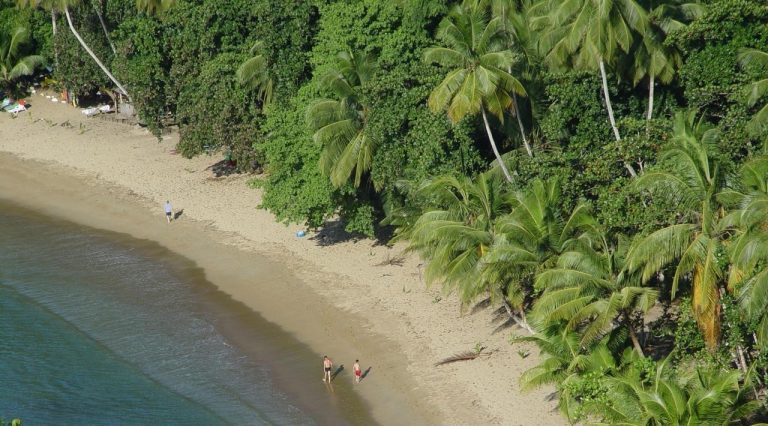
(168, 211)
(357, 370)
(327, 366)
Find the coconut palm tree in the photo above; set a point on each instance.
(12, 65)
(47, 5)
(458, 229)
(689, 174)
(566, 364)
(519, 40)
(65, 6)
(474, 49)
(653, 59)
(708, 396)
(530, 238)
(757, 89)
(748, 250)
(255, 74)
(589, 290)
(587, 34)
(339, 124)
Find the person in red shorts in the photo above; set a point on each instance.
(357, 370)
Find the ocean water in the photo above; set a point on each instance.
(101, 330)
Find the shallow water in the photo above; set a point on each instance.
(98, 328)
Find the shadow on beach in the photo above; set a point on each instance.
(365, 373)
(336, 373)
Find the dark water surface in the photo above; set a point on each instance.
(98, 328)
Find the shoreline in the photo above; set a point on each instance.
(261, 348)
(58, 195)
(349, 300)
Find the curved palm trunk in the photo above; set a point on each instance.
(650, 99)
(517, 114)
(609, 106)
(519, 320)
(95, 58)
(520, 124)
(104, 27)
(493, 146)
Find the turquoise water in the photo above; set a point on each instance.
(98, 331)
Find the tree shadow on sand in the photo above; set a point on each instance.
(332, 232)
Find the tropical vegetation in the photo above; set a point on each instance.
(596, 169)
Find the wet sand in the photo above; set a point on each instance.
(349, 298)
(291, 365)
(266, 286)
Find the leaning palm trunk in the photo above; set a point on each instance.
(610, 113)
(650, 98)
(95, 58)
(493, 146)
(104, 27)
(520, 124)
(519, 320)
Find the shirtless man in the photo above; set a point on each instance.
(327, 366)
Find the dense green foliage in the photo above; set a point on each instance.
(594, 166)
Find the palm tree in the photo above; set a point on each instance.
(479, 80)
(65, 6)
(759, 59)
(339, 124)
(255, 74)
(519, 39)
(708, 396)
(565, 364)
(653, 58)
(748, 220)
(457, 230)
(12, 66)
(689, 174)
(529, 239)
(585, 34)
(48, 5)
(589, 290)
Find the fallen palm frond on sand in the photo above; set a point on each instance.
(464, 356)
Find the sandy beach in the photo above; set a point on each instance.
(350, 299)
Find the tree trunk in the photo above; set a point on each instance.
(95, 58)
(520, 124)
(740, 352)
(650, 98)
(53, 30)
(97, 8)
(493, 146)
(633, 335)
(518, 320)
(610, 113)
(608, 104)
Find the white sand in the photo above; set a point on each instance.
(383, 314)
